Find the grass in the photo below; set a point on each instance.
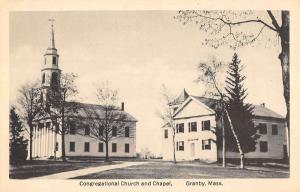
(37, 168)
(165, 170)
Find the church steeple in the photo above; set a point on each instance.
(50, 69)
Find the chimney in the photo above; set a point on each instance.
(263, 104)
(122, 106)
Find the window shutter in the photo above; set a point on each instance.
(182, 145)
(202, 122)
(176, 128)
(189, 127)
(202, 142)
(177, 146)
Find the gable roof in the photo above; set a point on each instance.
(86, 110)
(259, 111)
(262, 111)
(187, 101)
(209, 102)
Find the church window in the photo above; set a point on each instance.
(54, 79)
(114, 147)
(86, 147)
(72, 146)
(43, 78)
(166, 133)
(100, 147)
(54, 61)
(126, 147)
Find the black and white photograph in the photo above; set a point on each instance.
(148, 98)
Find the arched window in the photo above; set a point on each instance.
(54, 79)
(43, 78)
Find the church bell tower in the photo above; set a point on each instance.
(50, 68)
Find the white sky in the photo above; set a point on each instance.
(137, 51)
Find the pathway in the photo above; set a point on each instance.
(87, 171)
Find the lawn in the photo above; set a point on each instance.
(45, 167)
(165, 170)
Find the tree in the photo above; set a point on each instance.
(30, 107)
(210, 74)
(17, 141)
(60, 104)
(105, 120)
(166, 115)
(226, 27)
(239, 111)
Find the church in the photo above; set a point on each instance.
(196, 124)
(78, 138)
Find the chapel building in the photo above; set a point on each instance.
(196, 124)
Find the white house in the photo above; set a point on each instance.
(78, 140)
(196, 125)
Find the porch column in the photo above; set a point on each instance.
(35, 141)
(43, 140)
(40, 142)
(48, 142)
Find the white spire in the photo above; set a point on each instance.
(52, 41)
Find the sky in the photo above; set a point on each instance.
(137, 51)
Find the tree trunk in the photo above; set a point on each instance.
(55, 141)
(223, 141)
(236, 138)
(63, 151)
(174, 151)
(30, 141)
(284, 57)
(106, 151)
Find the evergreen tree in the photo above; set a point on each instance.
(17, 142)
(239, 111)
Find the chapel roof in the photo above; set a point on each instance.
(258, 110)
